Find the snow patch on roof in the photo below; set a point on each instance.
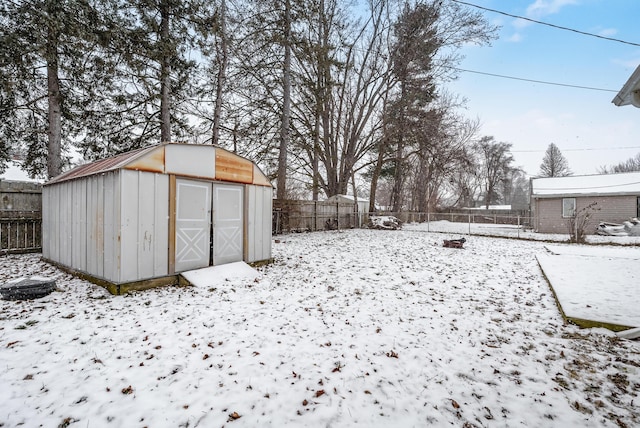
(602, 184)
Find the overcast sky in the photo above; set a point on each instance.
(587, 127)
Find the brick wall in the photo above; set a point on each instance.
(613, 209)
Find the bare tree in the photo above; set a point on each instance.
(350, 117)
(630, 165)
(578, 222)
(554, 164)
(495, 165)
(427, 36)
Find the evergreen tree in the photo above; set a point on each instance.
(152, 77)
(412, 54)
(427, 36)
(554, 164)
(47, 48)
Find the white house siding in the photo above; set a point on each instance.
(614, 209)
(144, 231)
(258, 236)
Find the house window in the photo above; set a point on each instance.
(568, 207)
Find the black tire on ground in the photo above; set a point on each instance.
(27, 289)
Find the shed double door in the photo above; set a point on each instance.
(209, 224)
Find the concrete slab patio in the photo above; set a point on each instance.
(595, 286)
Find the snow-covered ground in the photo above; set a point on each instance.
(512, 231)
(358, 328)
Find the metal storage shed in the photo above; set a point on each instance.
(137, 220)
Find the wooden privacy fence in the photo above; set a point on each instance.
(20, 232)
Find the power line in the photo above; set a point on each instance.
(548, 24)
(579, 150)
(531, 80)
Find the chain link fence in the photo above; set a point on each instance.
(309, 216)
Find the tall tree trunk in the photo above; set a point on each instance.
(315, 188)
(54, 114)
(330, 154)
(286, 105)
(374, 180)
(321, 98)
(422, 185)
(165, 73)
(223, 60)
(398, 178)
(488, 196)
(399, 174)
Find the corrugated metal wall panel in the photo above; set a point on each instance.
(144, 225)
(129, 192)
(145, 234)
(161, 225)
(94, 235)
(46, 227)
(90, 235)
(267, 224)
(54, 222)
(152, 229)
(111, 249)
(56, 205)
(250, 224)
(65, 223)
(258, 223)
(79, 209)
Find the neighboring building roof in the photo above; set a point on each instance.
(630, 92)
(587, 185)
(188, 160)
(491, 207)
(346, 198)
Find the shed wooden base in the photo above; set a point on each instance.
(120, 288)
(124, 288)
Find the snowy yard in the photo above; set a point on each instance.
(364, 327)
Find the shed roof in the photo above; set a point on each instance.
(587, 185)
(189, 160)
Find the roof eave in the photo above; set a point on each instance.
(630, 92)
(582, 195)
